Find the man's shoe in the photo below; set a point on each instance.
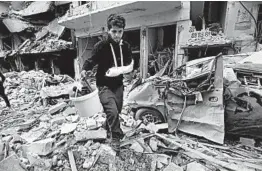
(115, 144)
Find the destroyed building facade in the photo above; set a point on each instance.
(35, 39)
(162, 31)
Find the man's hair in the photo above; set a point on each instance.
(116, 20)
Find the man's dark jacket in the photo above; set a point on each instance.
(102, 55)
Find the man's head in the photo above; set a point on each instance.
(116, 25)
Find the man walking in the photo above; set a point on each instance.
(114, 58)
(2, 90)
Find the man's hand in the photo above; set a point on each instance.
(83, 74)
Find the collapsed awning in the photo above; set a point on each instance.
(15, 25)
(36, 7)
(86, 17)
(52, 27)
(48, 44)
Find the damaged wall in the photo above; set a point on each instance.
(239, 24)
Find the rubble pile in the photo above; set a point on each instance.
(48, 44)
(54, 137)
(203, 38)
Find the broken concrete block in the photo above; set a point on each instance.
(56, 108)
(137, 147)
(153, 143)
(91, 123)
(69, 111)
(33, 135)
(159, 165)
(39, 163)
(73, 118)
(194, 166)
(58, 120)
(44, 118)
(173, 166)
(247, 141)
(163, 158)
(90, 135)
(11, 163)
(28, 124)
(68, 128)
(42, 147)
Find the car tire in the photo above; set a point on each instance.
(149, 115)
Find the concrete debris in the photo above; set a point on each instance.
(90, 135)
(194, 166)
(58, 120)
(69, 111)
(172, 167)
(68, 128)
(11, 163)
(33, 135)
(56, 108)
(137, 147)
(39, 163)
(42, 147)
(52, 136)
(247, 141)
(153, 143)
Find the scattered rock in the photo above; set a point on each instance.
(69, 111)
(28, 124)
(56, 108)
(153, 143)
(58, 120)
(90, 135)
(33, 135)
(137, 147)
(54, 160)
(247, 141)
(11, 163)
(194, 166)
(163, 158)
(39, 163)
(42, 147)
(173, 167)
(68, 128)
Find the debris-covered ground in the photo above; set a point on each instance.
(44, 132)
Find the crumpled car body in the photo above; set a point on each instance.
(194, 95)
(244, 98)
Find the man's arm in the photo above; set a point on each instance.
(93, 60)
(2, 77)
(127, 68)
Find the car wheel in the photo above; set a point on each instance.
(149, 115)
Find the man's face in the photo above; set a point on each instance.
(116, 33)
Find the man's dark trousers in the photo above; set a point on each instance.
(112, 102)
(3, 95)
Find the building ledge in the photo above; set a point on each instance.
(129, 9)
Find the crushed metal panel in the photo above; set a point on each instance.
(15, 25)
(204, 119)
(36, 7)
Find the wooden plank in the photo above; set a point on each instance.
(230, 166)
(72, 160)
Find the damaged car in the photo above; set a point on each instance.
(190, 101)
